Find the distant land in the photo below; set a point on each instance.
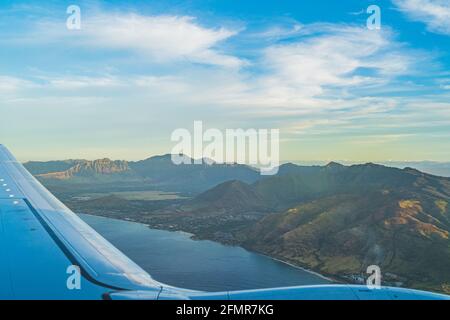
(156, 172)
(432, 167)
(334, 219)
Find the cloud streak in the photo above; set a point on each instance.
(158, 39)
(434, 13)
(11, 85)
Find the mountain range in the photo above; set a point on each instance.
(157, 172)
(337, 220)
(334, 219)
(431, 167)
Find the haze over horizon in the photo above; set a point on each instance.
(136, 71)
(283, 161)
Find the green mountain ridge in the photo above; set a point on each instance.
(231, 197)
(339, 219)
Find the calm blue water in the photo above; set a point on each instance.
(175, 259)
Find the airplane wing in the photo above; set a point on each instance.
(44, 245)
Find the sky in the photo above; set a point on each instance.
(138, 70)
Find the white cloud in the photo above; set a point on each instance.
(434, 13)
(279, 32)
(326, 68)
(155, 84)
(305, 125)
(333, 58)
(444, 83)
(157, 38)
(317, 70)
(381, 139)
(10, 84)
(77, 82)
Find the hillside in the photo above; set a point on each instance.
(307, 183)
(90, 170)
(347, 218)
(231, 197)
(334, 219)
(43, 167)
(199, 177)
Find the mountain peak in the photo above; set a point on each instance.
(234, 196)
(413, 171)
(167, 158)
(88, 168)
(333, 164)
(227, 187)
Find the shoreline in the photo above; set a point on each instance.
(193, 237)
(298, 267)
(333, 279)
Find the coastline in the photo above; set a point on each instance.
(194, 238)
(298, 267)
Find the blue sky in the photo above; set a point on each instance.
(137, 70)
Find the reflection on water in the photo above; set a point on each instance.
(175, 259)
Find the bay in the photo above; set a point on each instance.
(174, 258)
